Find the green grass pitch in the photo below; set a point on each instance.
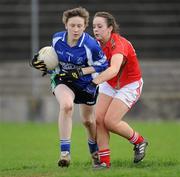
(32, 150)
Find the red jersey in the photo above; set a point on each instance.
(130, 70)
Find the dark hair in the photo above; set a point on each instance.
(79, 11)
(110, 20)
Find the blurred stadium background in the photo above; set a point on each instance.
(153, 26)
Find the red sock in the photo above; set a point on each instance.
(136, 138)
(104, 156)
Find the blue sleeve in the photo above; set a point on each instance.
(100, 62)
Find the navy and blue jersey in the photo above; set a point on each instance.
(87, 52)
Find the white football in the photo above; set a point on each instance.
(49, 56)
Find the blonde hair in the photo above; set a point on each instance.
(79, 11)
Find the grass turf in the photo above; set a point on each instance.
(32, 150)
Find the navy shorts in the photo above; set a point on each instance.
(81, 96)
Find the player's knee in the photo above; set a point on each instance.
(67, 107)
(108, 123)
(99, 120)
(87, 123)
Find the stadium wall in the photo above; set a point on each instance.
(25, 95)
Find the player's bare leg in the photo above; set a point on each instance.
(64, 122)
(88, 119)
(102, 132)
(113, 121)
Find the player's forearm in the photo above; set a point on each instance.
(106, 75)
(88, 70)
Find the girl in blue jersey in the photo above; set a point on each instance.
(79, 56)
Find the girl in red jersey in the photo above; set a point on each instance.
(120, 91)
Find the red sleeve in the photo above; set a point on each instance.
(119, 45)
